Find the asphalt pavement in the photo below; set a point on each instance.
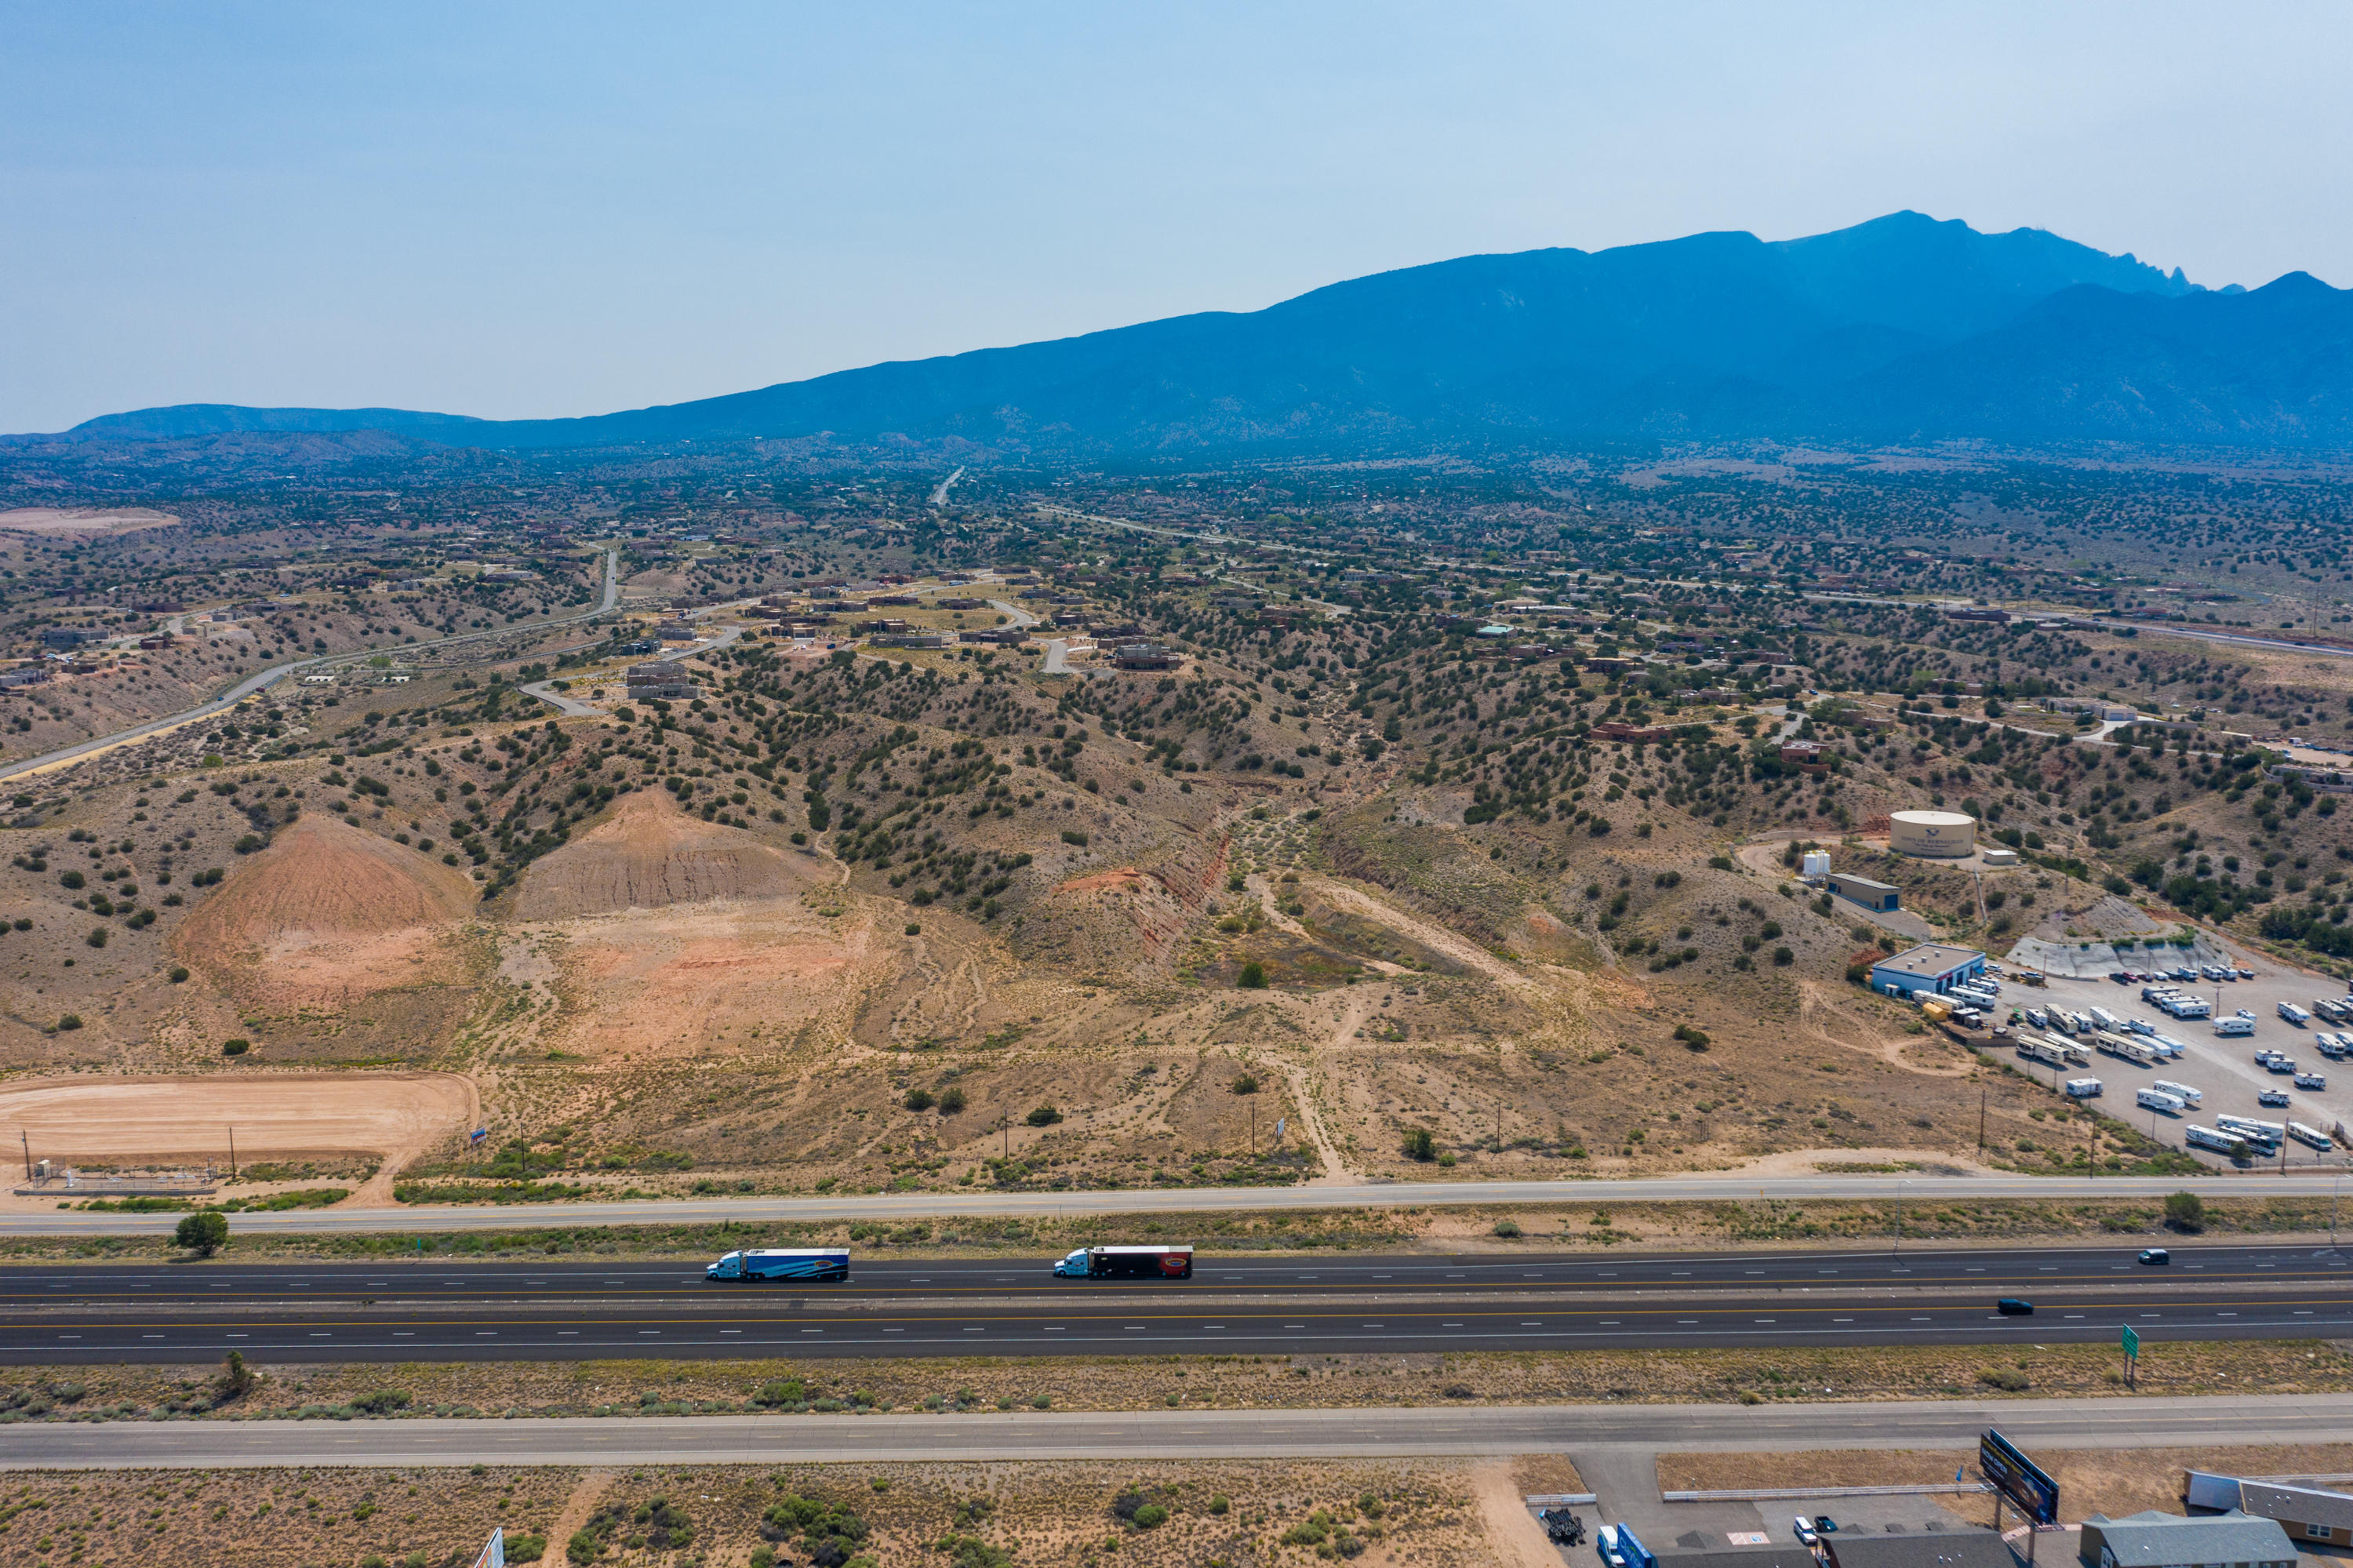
(2304, 1183)
(437, 1309)
(981, 1437)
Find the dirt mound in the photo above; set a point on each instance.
(648, 855)
(329, 912)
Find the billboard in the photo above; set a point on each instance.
(2018, 1477)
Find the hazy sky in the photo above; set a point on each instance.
(518, 210)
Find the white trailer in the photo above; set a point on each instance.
(2158, 1100)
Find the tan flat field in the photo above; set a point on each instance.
(294, 1115)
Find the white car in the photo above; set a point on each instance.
(1804, 1529)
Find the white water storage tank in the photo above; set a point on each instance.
(1817, 863)
(1941, 834)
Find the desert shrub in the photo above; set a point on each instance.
(1253, 976)
(70, 1022)
(2008, 1378)
(1219, 1505)
(918, 1099)
(1420, 1144)
(2186, 1212)
(204, 1232)
(1044, 1116)
(526, 1548)
(1508, 1229)
(1072, 836)
(235, 1047)
(782, 1390)
(952, 1101)
(382, 1401)
(1247, 1084)
(819, 1525)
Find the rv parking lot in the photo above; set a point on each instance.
(2224, 1068)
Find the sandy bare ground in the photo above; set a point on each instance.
(70, 520)
(1512, 1533)
(120, 1121)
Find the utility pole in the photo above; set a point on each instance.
(27, 1138)
(1981, 1119)
(232, 1151)
(1899, 1218)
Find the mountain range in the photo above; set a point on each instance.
(1904, 328)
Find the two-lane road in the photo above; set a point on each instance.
(981, 1437)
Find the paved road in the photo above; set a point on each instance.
(441, 1310)
(1709, 1189)
(261, 678)
(1467, 1430)
(940, 491)
(228, 1278)
(1058, 653)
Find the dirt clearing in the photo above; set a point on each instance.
(70, 521)
(123, 1121)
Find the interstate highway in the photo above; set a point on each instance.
(438, 1310)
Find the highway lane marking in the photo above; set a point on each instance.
(1011, 1320)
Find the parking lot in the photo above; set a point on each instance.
(2223, 1068)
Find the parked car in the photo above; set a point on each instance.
(1804, 1529)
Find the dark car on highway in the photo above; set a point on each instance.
(2012, 1306)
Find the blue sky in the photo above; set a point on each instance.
(518, 210)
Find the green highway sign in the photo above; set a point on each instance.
(2131, 1341)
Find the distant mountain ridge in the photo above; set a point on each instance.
(1902, 328)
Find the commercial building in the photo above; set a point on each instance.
(1936, 835)
(1939, 1549)
(1942, 1549)
(1877, 896)
(2153, 1540)
(2306, 1513)
(1931, 968)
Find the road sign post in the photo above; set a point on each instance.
(2130, 1339)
